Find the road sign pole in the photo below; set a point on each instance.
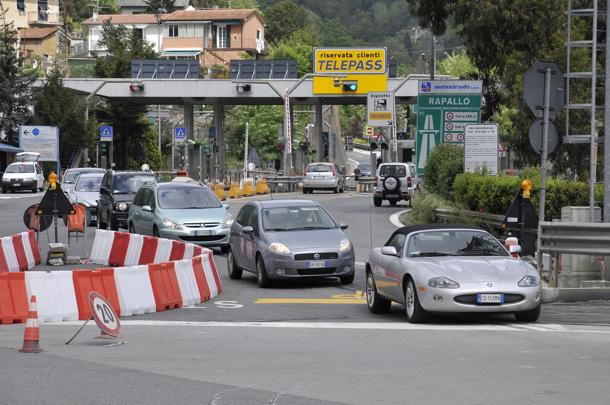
(545, 138)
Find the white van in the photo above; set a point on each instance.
(24, 174)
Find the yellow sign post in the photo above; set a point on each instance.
(359, 71)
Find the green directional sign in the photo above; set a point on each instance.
(445, 108)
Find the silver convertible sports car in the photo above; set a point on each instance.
(444, 268)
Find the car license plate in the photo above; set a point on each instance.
(16, 184)
(318, 264)
(319, 177)
(204, 233)
(392, 196)
(490, 298)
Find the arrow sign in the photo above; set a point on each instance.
(106, 133)
(180, 134)
(26, 132)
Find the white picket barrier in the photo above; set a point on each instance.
(187, 282)
(134, 250)
(55, 295)
(209, 274)
(164, 250)
(102, 245)
(134, 290)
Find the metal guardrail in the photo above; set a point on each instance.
(283, 184)
(449, 214)
(591, 239)
(365, 184)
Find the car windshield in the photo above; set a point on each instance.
(71, 176)
(19, 168)
(187, 198)
(319, 168)
(296, 218)
(392, 170)
(88, 184)
(454, 243)
(130, 183)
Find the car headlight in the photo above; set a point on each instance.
(121, 206)
(168, 223)
(280, 248)
(345, 245)
(529, 281)
(229, 221)
(442, 282)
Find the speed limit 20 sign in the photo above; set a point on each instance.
(104, 315)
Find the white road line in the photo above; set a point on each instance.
(394, 218)
(361, 151)
(360, 264)
(543, 328)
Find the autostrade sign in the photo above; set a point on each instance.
(350, 60)
(450, 87)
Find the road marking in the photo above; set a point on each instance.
(394, 218)
(350, 299)
(18, 197)
(228, 304)
(540, 328)
(361, 264)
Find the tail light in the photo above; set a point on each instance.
(409, 182)
(334, 171)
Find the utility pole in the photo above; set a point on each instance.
(607, 126)
(432, 56)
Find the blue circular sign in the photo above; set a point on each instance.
(36, 132)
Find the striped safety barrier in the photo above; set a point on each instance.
(19, 252)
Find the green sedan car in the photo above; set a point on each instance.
(180, 210)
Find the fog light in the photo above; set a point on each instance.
(280, 272)
(537, 296)
(348, 268)
(438, 298)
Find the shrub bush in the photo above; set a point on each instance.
(446, 161)
(423, 206)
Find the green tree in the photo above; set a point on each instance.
(15, 86)
(299, 47)
(134, 137)
(161, 6)
(57, 106)
(284, 18)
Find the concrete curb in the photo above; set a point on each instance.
(574, 294)
(394, 218)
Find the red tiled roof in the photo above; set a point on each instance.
(210, 14)
(124, 19)
(37, 33)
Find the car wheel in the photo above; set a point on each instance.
(34, 188)
(261, 274)
(4, 191)
(341, 189)
(528, 316)
(41, 189)
(415, 313)
(336, 190)
(132, 229)
(393, 202)
(347, 279)
(305, 191)
(234, 271)
(377, 201)
(376, 303)
(155, 231)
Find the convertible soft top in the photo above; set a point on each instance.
(406, 230)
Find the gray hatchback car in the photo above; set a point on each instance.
(288, 239)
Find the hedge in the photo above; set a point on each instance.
(445, 162)
(494, 194)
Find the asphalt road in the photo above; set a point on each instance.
(312, 343)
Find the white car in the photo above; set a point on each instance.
(395, 182)
(323, 176)
(25, 174)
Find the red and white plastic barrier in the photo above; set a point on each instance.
(125, 249)
(19, 252)
(55, 294)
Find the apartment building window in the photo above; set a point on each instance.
(43, 10)
(259, 34)
(21, 7)
(173, 31)
(222, 37)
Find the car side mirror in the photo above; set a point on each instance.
(147, 208)
(514, 249)
(226, 206)
(103, 190)
(248, 230)
(343, 226)
(389, 251)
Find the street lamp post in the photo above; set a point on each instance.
(158, 18)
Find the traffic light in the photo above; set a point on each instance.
(103, 148)
(384, 146)
(349, 86)
(373, 145)
(137, 87)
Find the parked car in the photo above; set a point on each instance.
(184, 211)
(116, 193)
(443, 268)
(68, 179)
(86, 191)
(288, 239)
(323, 176)
(395, 182)
(24, 174)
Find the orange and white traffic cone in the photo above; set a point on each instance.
(31, 336)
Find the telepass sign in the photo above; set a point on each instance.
(348, 61)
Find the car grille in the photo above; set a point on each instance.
(316, 272)
(203, 238)
(201, 224)
(471, 299)
(310, 256)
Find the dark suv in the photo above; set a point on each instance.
(116, 193)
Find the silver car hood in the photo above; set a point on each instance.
(87, 198)
(477, 269)
(323, 239)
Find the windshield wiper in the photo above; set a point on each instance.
(479, 253)
(430, 254)
(276, 229)
(310, 228)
